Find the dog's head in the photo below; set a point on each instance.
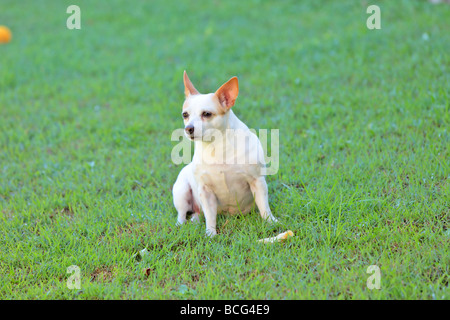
(204, 113)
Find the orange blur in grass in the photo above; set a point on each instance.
(5, 34)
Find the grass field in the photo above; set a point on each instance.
(86, 118)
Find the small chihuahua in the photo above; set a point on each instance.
(225, 174)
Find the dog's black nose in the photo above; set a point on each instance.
(189, 129)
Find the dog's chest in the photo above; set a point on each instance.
(229, 183)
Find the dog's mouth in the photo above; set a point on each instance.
(192, 137)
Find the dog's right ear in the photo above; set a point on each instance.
(228, 93)
(188, 86)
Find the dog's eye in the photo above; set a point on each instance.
(185, 115)
(207, 114)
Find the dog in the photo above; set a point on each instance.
(225, 174)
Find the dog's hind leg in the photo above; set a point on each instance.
(182, 199)
(260, 192)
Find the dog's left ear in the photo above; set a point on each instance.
(228, 93)
(188, 86)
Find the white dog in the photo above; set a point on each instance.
(226, 172)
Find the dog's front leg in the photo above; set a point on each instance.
(261, 194)
(208, 202)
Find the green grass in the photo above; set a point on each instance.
(85, 123)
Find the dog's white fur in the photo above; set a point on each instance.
(223, 176)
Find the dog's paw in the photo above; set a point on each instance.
(211, 232)
(180, 222)
(195, 218)
(272, 220)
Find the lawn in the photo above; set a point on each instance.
(86, 118)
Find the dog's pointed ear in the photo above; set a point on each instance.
(188, 86)
(228, 93)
